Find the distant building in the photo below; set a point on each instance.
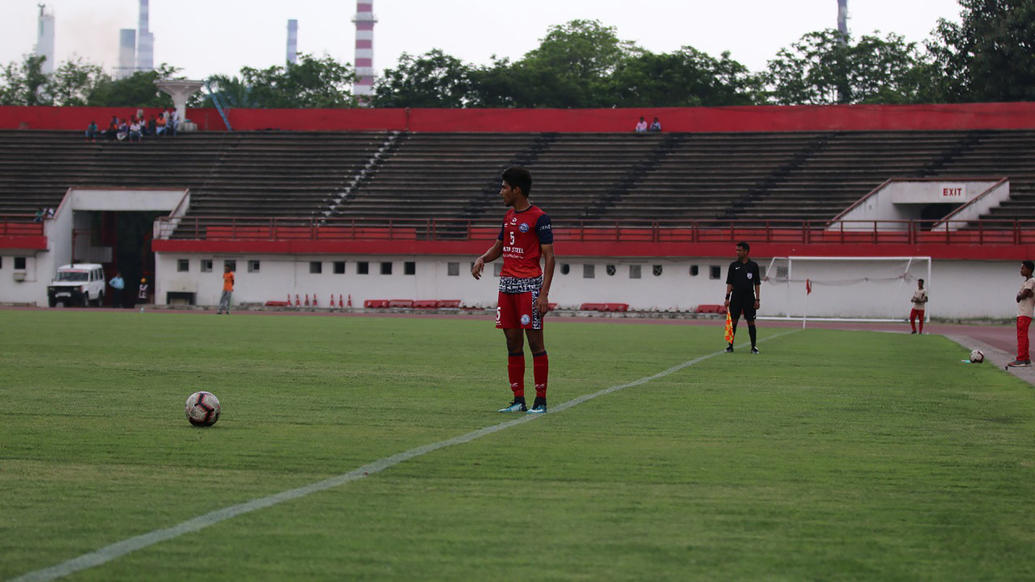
(45, 39)
(145, 40)
(127, 53)
(292, 41)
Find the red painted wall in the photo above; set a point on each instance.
(710, 119)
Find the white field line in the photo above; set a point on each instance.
(118, 549)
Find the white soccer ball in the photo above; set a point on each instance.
(977, 356)
(202, 408)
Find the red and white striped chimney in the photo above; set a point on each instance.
(364, 87)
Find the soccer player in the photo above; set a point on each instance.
(1025, 308)
(525, 237)
(743, 292)
(919, 306)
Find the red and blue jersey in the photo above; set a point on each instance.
(523, 234)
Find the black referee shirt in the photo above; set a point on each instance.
(743, 277)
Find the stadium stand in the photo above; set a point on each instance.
(328, 176)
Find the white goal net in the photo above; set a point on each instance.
(842, 288)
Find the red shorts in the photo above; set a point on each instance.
(517, 311)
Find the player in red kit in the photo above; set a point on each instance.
(526, 236)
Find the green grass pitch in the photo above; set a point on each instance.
(831, 456)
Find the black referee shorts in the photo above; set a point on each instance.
(745, 305)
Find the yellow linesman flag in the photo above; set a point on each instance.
(729, 327)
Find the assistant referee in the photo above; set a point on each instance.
(743, 292)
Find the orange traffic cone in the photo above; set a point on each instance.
(298, 302)
(307, 300)
(350, 300)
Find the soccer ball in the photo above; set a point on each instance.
(202, 409)
(977, 356)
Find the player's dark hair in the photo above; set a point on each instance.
(921, 280)
(518, 177)
(744, 245)
(1029, 264)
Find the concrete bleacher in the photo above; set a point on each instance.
(577, 176)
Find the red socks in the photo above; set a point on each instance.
(540, 371)
(516, 373)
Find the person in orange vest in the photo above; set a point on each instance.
(228, 289)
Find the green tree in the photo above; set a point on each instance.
(309, 83)
(989, 55)
(136, 90)
(824, 67)
(434, 79)
(685, 78)
(73, 82)
(25, 83)
(572, 67)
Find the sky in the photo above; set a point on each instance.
(206, 37)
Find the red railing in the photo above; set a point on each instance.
(996, 232)
(20, 225)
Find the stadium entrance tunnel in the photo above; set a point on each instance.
(114, 227)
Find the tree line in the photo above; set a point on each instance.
(987, 56)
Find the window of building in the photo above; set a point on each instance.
(634, 271)
(253, 266)
(386, 268)
(694, 270)
(315, 267)
(611, 270)
(182, 265)
(589, 271)
(453, 269)
(206, 265)
(715, 272)
(362, 268)
(19, 263)
(657, 270)
(565, 268)
(339, 267)
(410, 268)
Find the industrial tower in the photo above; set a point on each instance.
(145, 40)
(45, 39)
(292, 41)
(842, 19)
(364, 87)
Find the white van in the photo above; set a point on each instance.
(77, 284)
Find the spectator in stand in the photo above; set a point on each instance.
(150, 130)
(135, 131)
(92, 131)
(159, 125)
(641, 125)
(40, 215)
(113, 128)
(655, 125)
(173, 124)
(50, 212)
(123, 131)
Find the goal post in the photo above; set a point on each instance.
(873, 289)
